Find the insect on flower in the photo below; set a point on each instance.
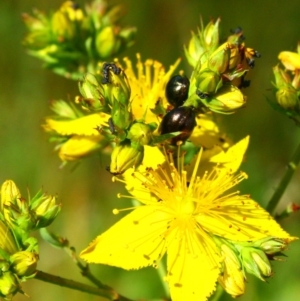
(179, 119)
(177, 90)
(105, 70)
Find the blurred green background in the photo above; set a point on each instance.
(86, 193)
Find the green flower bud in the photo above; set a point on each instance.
(9, 284)
(125, 156)
(121, 117)
(287, 98)
(24, 263)
(194, 51)
(219, 60)
(116, 88)
(47, 212)
(211, 34)
(44, 208)
(226, 101)
(256, 262)
(203, 43)
(208, 81)
(271, 245)
(89, 87)
(106, 42)
(282, 78)
(94, 94)
(140, 133)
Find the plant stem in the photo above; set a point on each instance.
(109, 294)
(291, 167)
(85, 271)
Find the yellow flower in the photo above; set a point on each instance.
(180, 216)
(81, 135)
(147, 86)
(290, 60)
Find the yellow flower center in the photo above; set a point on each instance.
(186, 198)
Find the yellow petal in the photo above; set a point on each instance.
(135, 241)
(207, 133)
(290, 60)
(86, 125)
(233, 157)
(192, 268)
(79, 146)
(242, 219)
(152, 158)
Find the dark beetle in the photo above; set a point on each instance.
(181, 119)
(177, 90)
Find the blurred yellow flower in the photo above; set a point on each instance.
(290, 60)
(180, 215)
(81, 135)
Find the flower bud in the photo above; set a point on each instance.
(227, 100)
(194, 51)
(211, 34)
(24, 263)
(287, 98)
(116, 85)
(256, 262)
(89, 87)
(140, 133)
(271, 245)
(125, 156)
(290, 60)
(9, 284)
(282, 78)
(232, 279)
(106, 42)
(203, 43)
(208, 82)
(219, 60)
(121, 117)
(45, 209)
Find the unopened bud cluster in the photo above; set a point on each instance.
(70, 39)
(219, 70)
(247, 257)
(18, 250)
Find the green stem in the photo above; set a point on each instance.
(85, 271)
(110, 295)
(292, 166)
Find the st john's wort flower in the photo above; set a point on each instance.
(181, 215)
